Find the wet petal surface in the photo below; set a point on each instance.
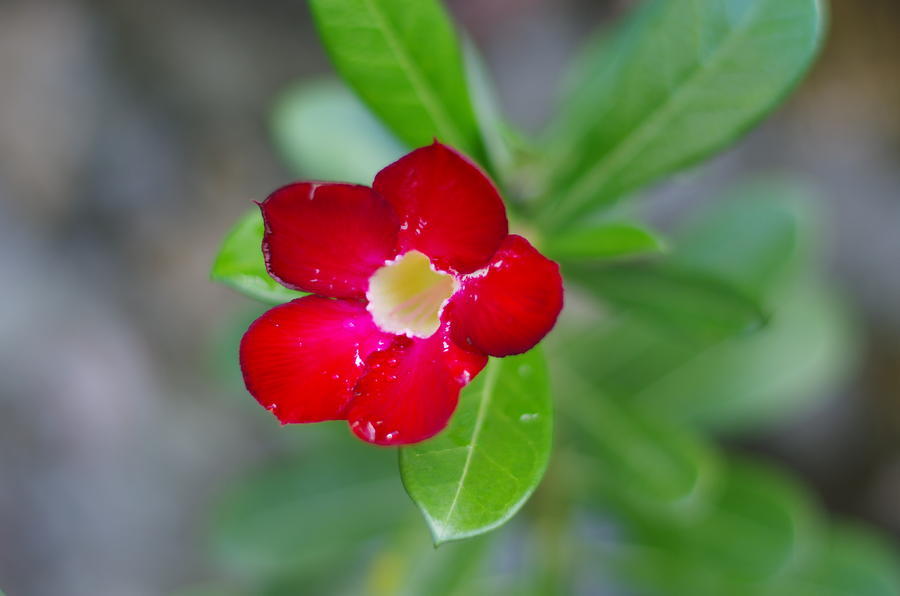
(327, 239)
(410, 390)
(448, 208)
(510, 305)
(301, 360)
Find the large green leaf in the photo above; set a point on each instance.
(325, 133)
(694, 304)
(608, 240)
(477, 473)
(404, 60)
(240, 263)
(678, 81)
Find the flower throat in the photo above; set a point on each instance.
(407, 295)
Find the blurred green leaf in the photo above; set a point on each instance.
(759, 240)
(495, 129)
(477, 473)
(412, 566)
(676, 82)
(404, 60)
(640, 463)
(855, 562)
(206, 589)
(325, 133)
(753, 236)
(808, 347)
(606, 240)
(312, 516)
(761, 528)
(694, 304)
(240, 263)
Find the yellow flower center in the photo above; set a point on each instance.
(407, 295)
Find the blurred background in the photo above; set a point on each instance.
(133, 134)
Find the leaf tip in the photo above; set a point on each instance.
(439, 534)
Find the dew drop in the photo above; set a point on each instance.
(528, 417)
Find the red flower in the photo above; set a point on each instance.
(417, 282)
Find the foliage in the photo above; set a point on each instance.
(475, 475)
(725, 326)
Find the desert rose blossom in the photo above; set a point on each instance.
(414, 283)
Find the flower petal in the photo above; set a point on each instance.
(509, 306)
(302, 359)
(448, 208)
(327, 238)
(410, 390)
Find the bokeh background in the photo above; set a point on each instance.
(133, 134)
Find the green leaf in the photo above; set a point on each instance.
(607, 240)
(477, 473)
(325, 133)
(205, 589)
(808, 348)
(638, 462)
(693, 304)
(761, 527)
(495, 130)
(404, 60)
(759, 240)
(678, 81)
(310, 516)
(240, 263)
(855, 562)
(753, 236)
(411, 566)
